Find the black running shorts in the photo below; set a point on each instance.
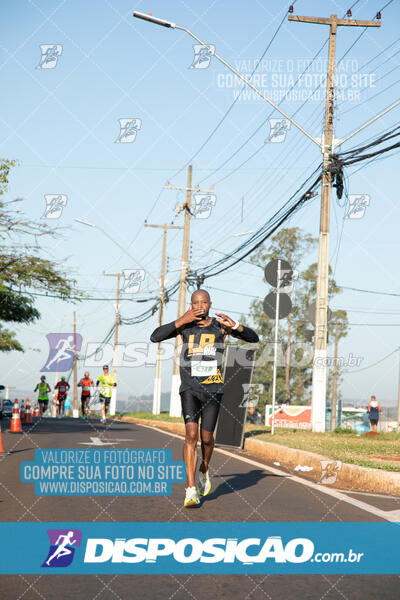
(105, 400)
(196, 404)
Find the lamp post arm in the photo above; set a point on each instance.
(252, 86)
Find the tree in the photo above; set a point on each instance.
(341, 329)
(295, 350)
(290, 244)
(22, 270)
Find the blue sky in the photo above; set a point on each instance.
(61, 124)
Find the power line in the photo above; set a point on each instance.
(270, 114)
(215, 129)
(264, 232)
(373, 364)
(343, 287)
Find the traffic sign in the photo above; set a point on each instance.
(271, 273)
(269, 304)
(310, 313)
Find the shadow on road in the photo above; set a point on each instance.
(69, 425)
(19, 450)
(234, 482)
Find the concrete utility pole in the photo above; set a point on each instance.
(175, 404)
(327, 146)
(335, 377)
(113, 403)
(157, 380)
(75, 410)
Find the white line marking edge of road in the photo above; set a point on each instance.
(394, 518)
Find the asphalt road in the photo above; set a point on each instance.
(241, 492)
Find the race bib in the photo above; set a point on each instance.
(105, 390)
(204, 368)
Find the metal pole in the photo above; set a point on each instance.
(335, 377)
(157, 380)
(337, 143)
(175, 405)
(75, 411)
(278, 279)
(113, 402)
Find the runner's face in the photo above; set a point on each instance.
(201, 301)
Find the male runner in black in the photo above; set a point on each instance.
(201, 387)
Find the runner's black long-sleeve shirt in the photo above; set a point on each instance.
(202, 352)
(169, 330)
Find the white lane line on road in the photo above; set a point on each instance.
(96, 441)
(391, 515)
(370, 494)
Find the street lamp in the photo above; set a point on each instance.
(149, 17)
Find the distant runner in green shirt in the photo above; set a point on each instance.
(43, 397)
(106, 383)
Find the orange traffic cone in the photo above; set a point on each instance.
(28, 412)
(1, 444)
(15, 421)
(22, 412)
(37, 411)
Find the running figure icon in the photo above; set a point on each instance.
(65, 349)
(62, 549)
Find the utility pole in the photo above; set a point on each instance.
(75, 410)
(328, 143)
(157, 380)
(175, 404)
(113, 403)
(335, 377)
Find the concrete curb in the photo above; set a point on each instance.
(348, 477)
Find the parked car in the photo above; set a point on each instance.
(6, 408)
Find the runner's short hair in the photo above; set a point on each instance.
(203, 292)
(105, 366)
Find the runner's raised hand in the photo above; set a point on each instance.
(226, 322)
(193, 314)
